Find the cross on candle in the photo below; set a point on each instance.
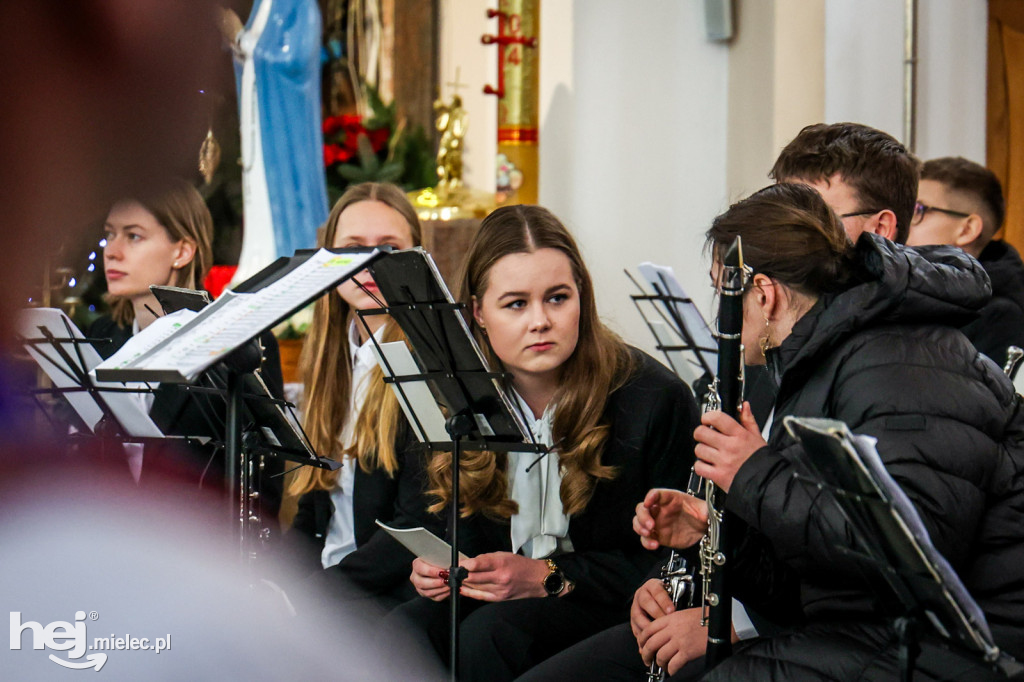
(456, 85)
(508, 34)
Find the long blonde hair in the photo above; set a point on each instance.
(600, 364)
(179, 208)
(326, 368)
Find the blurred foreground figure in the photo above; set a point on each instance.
(149, 591)
(99, 99)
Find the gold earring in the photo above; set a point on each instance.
(209, 156)
(766, 340)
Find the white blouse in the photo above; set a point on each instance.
(341, 534)
(541, 528)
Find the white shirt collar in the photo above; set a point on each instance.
(362, 354)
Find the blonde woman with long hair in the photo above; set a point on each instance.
(554, 559)
(350, 414)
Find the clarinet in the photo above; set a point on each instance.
(717, 545)
(677, 577)
(725, 393)
(1014, 354)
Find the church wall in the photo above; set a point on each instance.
(864, 71)
(462, 24)
(632, 149)
(640, 146)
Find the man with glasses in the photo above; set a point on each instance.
(960, 203)
(865, 175)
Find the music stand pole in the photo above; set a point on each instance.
(232, 450)
(458, 427)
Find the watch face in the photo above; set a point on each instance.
(554, 583)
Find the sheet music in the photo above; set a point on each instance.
(158, 330)
(865, 454)
(418, 393)
(277, 423)
(126, 409)
(662, 280)
(423, 544)
(851, 462)
(234, 318)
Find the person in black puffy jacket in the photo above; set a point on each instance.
(867, 335)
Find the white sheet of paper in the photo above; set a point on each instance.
(684, 367)
(234, 317)
(147, 338)
(126, 408)
(428, 414)
(423, 544)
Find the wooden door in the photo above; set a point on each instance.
(1005, 109)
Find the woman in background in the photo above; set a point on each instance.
(163, 237)
(351, 415)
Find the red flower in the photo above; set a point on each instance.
(334, 124)
(341, 138)
(335, 153)
(378, 138)
(218, 278)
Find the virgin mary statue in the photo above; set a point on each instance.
(277, 69)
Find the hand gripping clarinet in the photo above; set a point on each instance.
(676, 575)
(716, 546)
(725, 393)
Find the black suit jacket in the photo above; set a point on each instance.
(379, 565)
(650, 442)
(179, 412)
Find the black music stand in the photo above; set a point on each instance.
(481, 416)
(273, 426)
(220, 329)
(892, 539)
(67, 358)
(679, 320)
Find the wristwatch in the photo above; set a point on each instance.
(554, 582)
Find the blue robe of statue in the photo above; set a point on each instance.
(284, 187)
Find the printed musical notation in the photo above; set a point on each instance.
(234, 318)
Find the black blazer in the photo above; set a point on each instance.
(379, 565)
(652, 418)
(182, 413)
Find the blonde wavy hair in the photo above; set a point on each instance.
(326, 368)
(600, 364)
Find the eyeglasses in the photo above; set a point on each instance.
(920, 210)
(859, 213)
